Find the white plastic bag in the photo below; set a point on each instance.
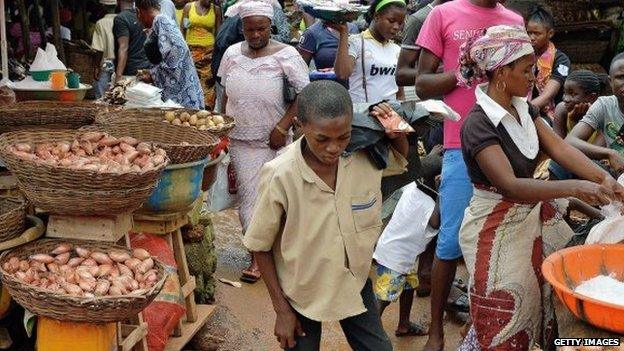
(407, 234)
(219, 197)
(609, 231)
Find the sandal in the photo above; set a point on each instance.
(461, 304)
(459, 284)
(250, 276)
(412, 330)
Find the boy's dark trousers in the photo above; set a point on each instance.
(364, 332)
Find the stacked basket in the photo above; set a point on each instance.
(12, 218)
(182, 144)
(48, 114)
(75, 192)
(157, 115)
(99, 309)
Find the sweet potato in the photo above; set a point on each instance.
(119, 256)
(42, 258)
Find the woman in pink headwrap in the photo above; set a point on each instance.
(512, 221)
(254, 73)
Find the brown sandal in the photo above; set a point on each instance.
(249, 276)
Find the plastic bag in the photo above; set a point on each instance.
(609, 231)
(407, 234)
(164, 313)
(219, 197)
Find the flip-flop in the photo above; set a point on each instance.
(459, 284)
(249, 276)
(460, 304)
(413, 330)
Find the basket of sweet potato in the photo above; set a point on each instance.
(81, 281)
(82, 173)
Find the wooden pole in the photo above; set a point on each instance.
(3, 44)
(42, 28)
(56, 29)
(25, 28)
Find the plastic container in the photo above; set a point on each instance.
(210, 172)
(178, 187)
(567, 268)
(41, 76)
(73, 80)
(53, 335)
(56, 95)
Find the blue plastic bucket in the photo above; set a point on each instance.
(178, 187)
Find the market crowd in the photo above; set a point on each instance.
(310, 203)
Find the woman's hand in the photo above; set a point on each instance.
(277, 140)
(384, 111)
(341, 28)
(579, 111)
(287, 328)
(145, 76)
(617, 188)
(594, 193)
(616, 162)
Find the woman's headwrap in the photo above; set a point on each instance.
(254, 8)
(494, 48)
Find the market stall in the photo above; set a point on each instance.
(108, 193)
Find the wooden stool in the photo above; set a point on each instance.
(170, 224)
(113, 229)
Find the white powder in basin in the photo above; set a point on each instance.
(603, 288)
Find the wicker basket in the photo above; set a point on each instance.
(104, 309)
(56, 115)
(165, 136)
(70, 191)
(12, 218)
(83, 60)
(157, 115)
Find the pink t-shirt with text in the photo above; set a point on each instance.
(446, 28)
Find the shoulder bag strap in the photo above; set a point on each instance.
(363, 70)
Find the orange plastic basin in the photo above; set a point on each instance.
(567, 268)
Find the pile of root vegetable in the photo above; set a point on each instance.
(86, 274)
(94, 151)
(202, 120)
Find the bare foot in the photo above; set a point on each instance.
(434, 344)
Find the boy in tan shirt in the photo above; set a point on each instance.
(316, 222)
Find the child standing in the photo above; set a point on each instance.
(316, 221)
(552, 66)
(413, 225)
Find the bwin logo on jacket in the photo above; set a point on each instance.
(382, 71)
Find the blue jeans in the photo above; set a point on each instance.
(455, 195)
(101, 85)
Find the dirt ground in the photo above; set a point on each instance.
(244, 318)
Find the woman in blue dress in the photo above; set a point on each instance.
(173, 71)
